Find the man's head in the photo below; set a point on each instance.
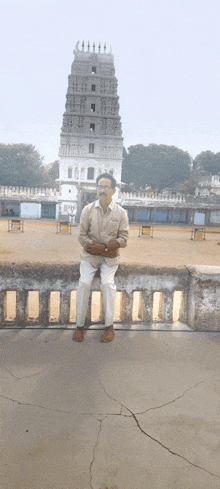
(105, 188)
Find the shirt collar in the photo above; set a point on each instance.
(110, 206)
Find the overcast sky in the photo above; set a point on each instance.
(167, 55)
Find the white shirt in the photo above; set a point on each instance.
(95, 225)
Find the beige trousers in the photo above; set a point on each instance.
(108, 289)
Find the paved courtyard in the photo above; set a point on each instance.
(141, 412)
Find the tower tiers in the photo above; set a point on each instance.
(91, 137)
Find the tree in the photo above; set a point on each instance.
(21, 165)
(155, 165)
(190, 184)
(52, 173)
(207, 162)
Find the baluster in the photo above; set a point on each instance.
(127, 306)
(21, 306)
(43, 307)
(2, 300)
(147, 306)
(64, 307)
(168, 306)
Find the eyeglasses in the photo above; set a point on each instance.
(105, 187)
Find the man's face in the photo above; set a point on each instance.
(105, 191)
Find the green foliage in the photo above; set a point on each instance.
(207, 162)
(190, 184)
(155, 165)
(21, 165)
(52, 172)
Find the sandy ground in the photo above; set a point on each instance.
(169, 247)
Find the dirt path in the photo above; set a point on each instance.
(169, 246)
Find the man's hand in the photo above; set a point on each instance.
(110, 253)
(98, 249)
(113, 245)
(95, 248)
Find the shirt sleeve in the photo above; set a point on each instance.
(83, 237)
(123, 230)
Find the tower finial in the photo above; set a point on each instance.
(104, 47)
(93, 47)
(88, 45)
(83, 45)
(77, 46)
(99, 47)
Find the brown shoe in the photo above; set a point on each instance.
(78, 334)
(108, 335)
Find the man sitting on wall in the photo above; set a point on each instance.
(103, 230)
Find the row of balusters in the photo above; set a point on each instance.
(22, 307)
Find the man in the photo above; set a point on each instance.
(103, 230)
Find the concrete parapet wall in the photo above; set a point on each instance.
(204, 298)
(140, 291)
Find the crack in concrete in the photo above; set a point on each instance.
(118, 402)
(35, 405)
(94, 415)
(94, 449)
(6, 368)
(157, 441)
(179, 397)
(170, 451)
(21, 378)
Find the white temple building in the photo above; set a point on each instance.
(91, 136)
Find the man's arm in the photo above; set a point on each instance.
(84, 228)
(122, 237)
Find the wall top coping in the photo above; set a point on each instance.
(199, 270)
(124, 269)
(134, 267)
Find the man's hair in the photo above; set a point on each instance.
(106, 175)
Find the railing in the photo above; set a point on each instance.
(152, 197)
(44, 295)
(30, 192)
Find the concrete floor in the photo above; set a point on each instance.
(139, 413)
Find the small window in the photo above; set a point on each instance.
(93, 88)
(92, 127)
(91, 148)
(90, 173)
(70, 172)
(93, 70)
(111, 172)
(92, 107)
(69, 191)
